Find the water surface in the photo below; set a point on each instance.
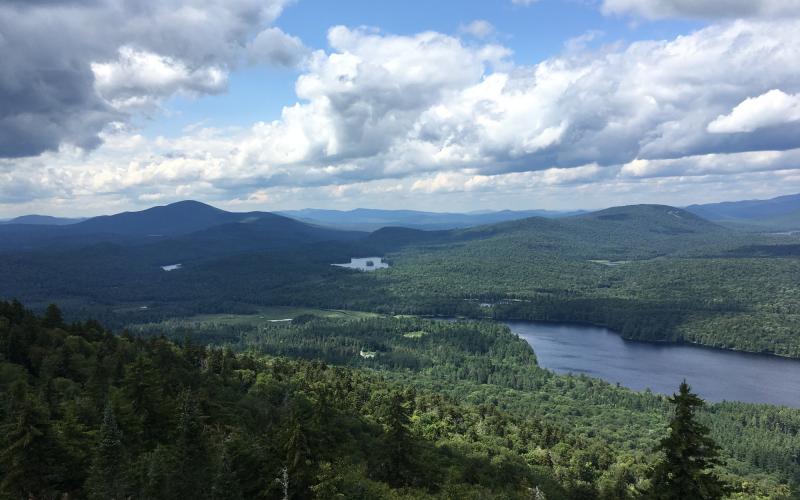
(715, 374)
(365, 264)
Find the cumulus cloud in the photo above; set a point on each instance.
(394, 105)
(54, 53)
(767, 110)
(713, 164)
(138, 77)
(429, 113)
(273, 46)
(478, 28)
(455, 181)
(704, 9)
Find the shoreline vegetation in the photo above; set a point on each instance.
(479, 412)
(685, 279)
(331, 313)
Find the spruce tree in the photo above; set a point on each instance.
(689, 455)
(106, 474)
(31, 458)
(397, 420)
(191, 478)
(52, 317)
(225, 486)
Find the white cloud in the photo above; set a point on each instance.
(138, 75)
(713, 164)
(273, 46)
(478, 28)
(704, 9)
(137, 52)
(767, 110)
(524, 2)
(429, 113)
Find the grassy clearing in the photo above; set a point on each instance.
(264, 316)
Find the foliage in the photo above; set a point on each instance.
(686, 470)
(485, 365)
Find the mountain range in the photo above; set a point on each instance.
(366, 219)
(189, 257)
(781, 213)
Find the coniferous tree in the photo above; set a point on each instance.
(31, 459)
(53, 317)
(191, 478)
(689, 455)
(226, 485)
(107, 470)
(397, 420)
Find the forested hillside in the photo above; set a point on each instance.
(650, 272)
(483, 363)
(87, 414)
(443, 410)
(776, 214)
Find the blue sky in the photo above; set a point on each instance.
(534, 33)
(460, 106)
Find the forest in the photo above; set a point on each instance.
(482, 363)
(443, 410)
(648, 272)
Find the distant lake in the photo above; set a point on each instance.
(365, 264)
(715, 374)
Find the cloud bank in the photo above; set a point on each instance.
(703, 9)
(415, 115)
(71, 67)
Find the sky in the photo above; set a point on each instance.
(111, 105)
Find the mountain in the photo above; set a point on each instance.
(596, 267)
(256, 233)
(42, 220)
(628, 232)
(178, 218)
(781, 213)
(176, 221)
(364, 219)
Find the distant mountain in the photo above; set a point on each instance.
(43, 220)
(662, 219)
(182, 224)
(268, 258)
(781, 213)
(364, 219)
(175, 219)
(628, 232)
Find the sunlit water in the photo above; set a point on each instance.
(714, 374)
(365, 264)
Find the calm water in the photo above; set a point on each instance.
(714, 374)
(365, 264)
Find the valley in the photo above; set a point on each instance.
(266, 292)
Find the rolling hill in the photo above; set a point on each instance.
(164, 223)
(651, 272)
(364, 219)
(43, 220)
(781, 213)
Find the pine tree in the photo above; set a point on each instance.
(192, 478)
(397, 420)
(31, 459)
(106, 474)
(52, 317)
(226, 486)
(689, 455)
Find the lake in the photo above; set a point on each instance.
(715, 374)
(365, 264)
